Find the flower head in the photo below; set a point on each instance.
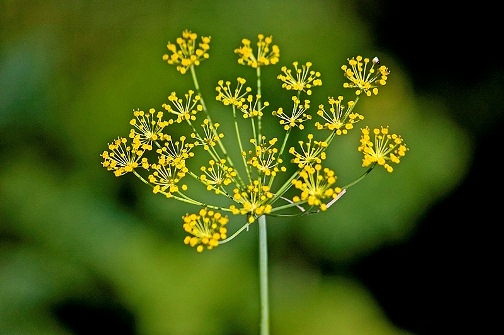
(210, 138)
(252, 109)
(266, 53)
(254, 200)
(253, 184)
(217, 175)
(184, 111)
(304, 79)
(313, 153)
(364, 77)
(147, 127)
(175, 153)
(171, 166)
(206, 229)
(187, 53)
(298, 114)
(123, 158)
(316, 185)
(337, 118)
(230, 97)
(384, 149)
(264, 157)
(166, 176)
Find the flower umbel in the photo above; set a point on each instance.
(316, 184)
(187, 53)
(210, 138)
(255, 201)
(314, 152)
(184, 111)
(146, 128)
(338, 119)
(123, 158)
(266, 52)
(217, 175)
(265, 157)
(253, 108)
(244, 173)
(384, 149)
(242, 165)
(304, 79)
(175, 152)
(229, 97)
(207, 228)
(298, 114)
(363, 76)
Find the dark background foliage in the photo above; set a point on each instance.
(444, 279)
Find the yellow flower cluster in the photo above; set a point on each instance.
(363, 77)
(217, 175)
(255, 201)
(338, 119)
(254, 183)
(266, 52)
(184, 110)
(264, 157)
(147, 129)
(123, 158)
(316, 184)
(206, 229)
(229, 97)
(185, 53)
(298, 115)
(384, 149)
(304, 79)
(312, 152)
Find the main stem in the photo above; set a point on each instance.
(263, 275)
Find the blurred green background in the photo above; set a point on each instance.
(84, 252)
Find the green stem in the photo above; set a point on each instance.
(245, 226)
(259, 123)
(196, 86)
(263, 275)
(360, 178)
(238, 138)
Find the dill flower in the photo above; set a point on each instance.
(228, 97)
(187, 111)
(123, 158)
(314, 152)
(386, 148)
(166, 176)
(298, 114)
(264, 157)
(315, 184)
(210, 135)
(266, 53)
(207, 228)
(304, 79)
(175, 153)
(252, 109)
(217, 175)
(187, 53)
(365, 77)
(253, 188)
(337, 118)
(253, 185)
(147, 128)
(254, 200)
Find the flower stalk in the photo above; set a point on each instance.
(263, 275)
